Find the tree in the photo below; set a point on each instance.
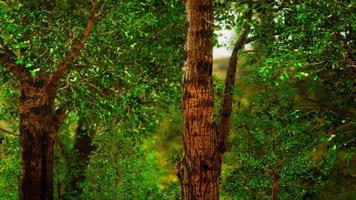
(112, 67)
(204, 139)
(201, 162)
(80, 155)
(273, 147)
(299, 91)
(39, 123)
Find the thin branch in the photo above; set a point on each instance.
(335, 109)
(96, 88)
(8, 132)
(341, 112)
(250, 51)
(6, 59)
(65, 65)
(226, 105)
(251, 39)
(351, 140)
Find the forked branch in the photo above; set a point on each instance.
(78, 45)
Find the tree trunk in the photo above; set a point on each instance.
(200, 170)
(275, 186)
(37, 135)
(81, 153)
(38, 123)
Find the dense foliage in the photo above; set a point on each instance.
(293, 117)
(299, 119)
(114, 95)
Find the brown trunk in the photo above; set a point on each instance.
(226, 103)
(204, 141)
(275, 186)
(37, 135)
(81, 151)
(38, 125)
(200, 171)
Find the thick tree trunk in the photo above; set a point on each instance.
(204, 141)
(37, 135)
(200, 170)
(275, 186)
(38, 125)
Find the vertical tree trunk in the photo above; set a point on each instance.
(38, 123)
(275, 186)
(204, 141)
(81, 152)
(200, 172)
(37, 132)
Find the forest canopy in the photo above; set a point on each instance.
(114, 99)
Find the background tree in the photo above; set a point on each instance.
(292, 64)
(273, 148)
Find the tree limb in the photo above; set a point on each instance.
(334, 108)
(226, 105)
(251, 39)
(17, 70)
(65, 65)
(8, 132)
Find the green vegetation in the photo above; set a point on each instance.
(293, 128)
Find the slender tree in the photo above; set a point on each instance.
(204, 139)
(80, 155)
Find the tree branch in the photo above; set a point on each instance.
(335, 109)
(17, 70)
(226, 105)
(251, 39)
(65, 65)
(8, 132)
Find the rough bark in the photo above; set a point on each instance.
(199, 173)
(39, 123)
(204, 141)
(37, 137)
